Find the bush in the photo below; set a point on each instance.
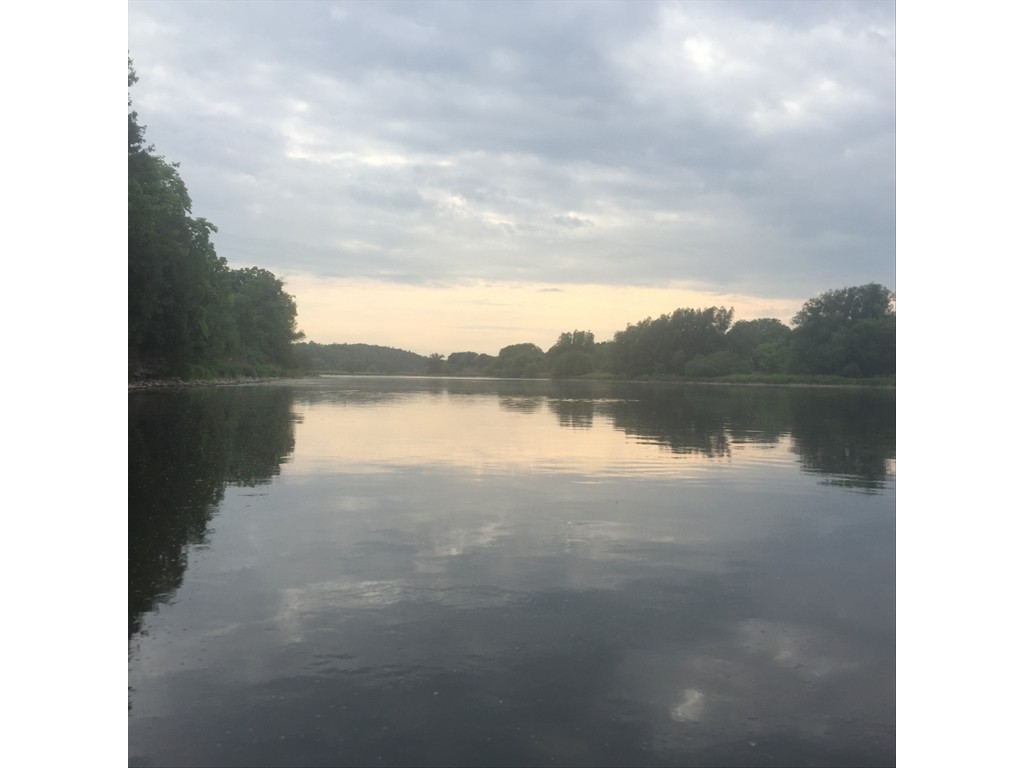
(721, 363)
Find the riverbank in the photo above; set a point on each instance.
(142, 384)
(831, 382)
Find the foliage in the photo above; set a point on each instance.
(359, 358)
(435, 364)
(577, 341)
(187, 311)
(264, 314)
(573, 363)
(720, 363)
(761, 343)
(664, 346)
(572, 355)
(786, 379)
(849, 332)
(468, 364)
(688, 343)
(520, 361)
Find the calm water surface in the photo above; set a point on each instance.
(372, 571)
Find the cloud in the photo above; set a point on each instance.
(747, 147)
(572, 222)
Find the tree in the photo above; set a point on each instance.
(518, 361)
(469, 363)
(572, 355)
(764, 343)
(264, 316)
(720, 363)
(173, 270)
(664, 346)
(848, 332)
(847, 305)
(135, 131)
(186, 308)
(435, 364)
(582, 341)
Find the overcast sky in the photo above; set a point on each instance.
(462, 176)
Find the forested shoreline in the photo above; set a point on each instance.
(189, 314)
(848, 334)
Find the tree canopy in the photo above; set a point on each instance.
(846, 332)
(849, 332)
(187, 310)
(664, 346)
(520, 361)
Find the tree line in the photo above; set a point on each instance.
(848, 332)
(189, 314)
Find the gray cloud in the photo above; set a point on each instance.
(743, 146)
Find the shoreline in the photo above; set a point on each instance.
(171, 383)
(143, 384)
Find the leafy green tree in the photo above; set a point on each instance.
(460, 361)
(772, 356)
(186, 308)
(469, 363)
(582, 341)
(174, 273)
(664, 346)
(763, 343)
(264, 316)
(435, 364)
(135, 131)
(720, 363)
(518, 361)
(572, 355)
(575, 362)
(847, 332)
(358, 358)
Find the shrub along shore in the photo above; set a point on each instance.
(781, 380)
(139, 384)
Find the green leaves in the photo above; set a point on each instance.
(848, 332)
(186, 308)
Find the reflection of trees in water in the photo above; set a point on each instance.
(844, 434)
(184, 448)
(848, 436)
(520, 404)
(757, 414)
(343, 391)
(685, 420)
(574, 414)
(517, 395)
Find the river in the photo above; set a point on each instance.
(403, 571)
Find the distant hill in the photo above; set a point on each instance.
(358, 358)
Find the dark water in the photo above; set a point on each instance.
(360, 571)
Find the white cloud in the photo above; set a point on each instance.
(742, 147)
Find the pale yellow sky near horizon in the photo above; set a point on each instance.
(486, 316)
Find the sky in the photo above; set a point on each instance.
(446, 177)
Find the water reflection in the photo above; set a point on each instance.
(846, 437)
(520, 403)
(850, 440)
(184, 448)
(573, 413)
(422, 574)
(687, 421)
